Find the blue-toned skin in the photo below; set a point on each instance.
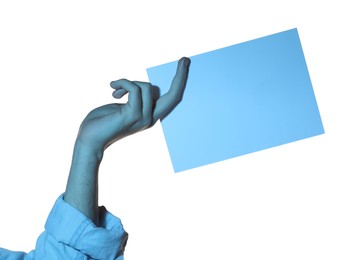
(78, 207)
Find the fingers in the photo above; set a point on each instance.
(134, 99)
(168, 101)
(119, 93)
(142, 91)
(179, 80)
(147, 100)
(141, 94)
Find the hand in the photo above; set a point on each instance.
(109, 123)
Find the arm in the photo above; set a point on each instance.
(107, 124)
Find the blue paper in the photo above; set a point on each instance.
(238, 100)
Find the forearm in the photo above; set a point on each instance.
(106, 124)
(82, 186)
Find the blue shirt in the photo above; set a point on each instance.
(71, 235)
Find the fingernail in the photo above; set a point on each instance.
(187, 62)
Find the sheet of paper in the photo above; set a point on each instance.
(240, 99)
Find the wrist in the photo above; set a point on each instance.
(87, 152)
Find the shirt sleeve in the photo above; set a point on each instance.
(69, 234)
(11, 255)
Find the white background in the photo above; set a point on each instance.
(56, 62)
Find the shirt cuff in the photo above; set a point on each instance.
(69, 226)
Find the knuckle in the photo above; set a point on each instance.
(146, 122)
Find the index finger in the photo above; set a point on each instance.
(168, 101)
(134, 98)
